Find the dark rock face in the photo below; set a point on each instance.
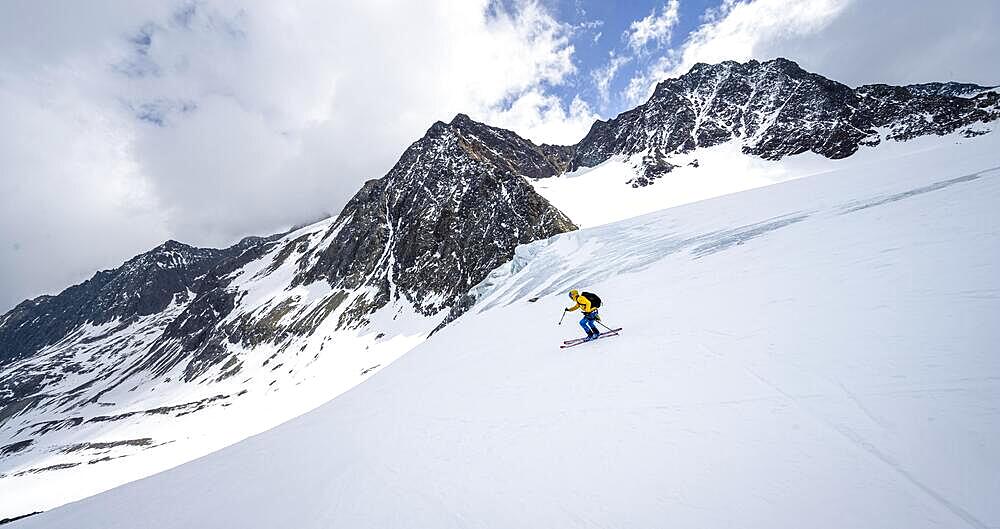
(947, 89)
(154, 285)
(144, 285)
(453, 209)
(778, 109)
(909, 113)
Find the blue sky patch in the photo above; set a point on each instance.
(600, 35)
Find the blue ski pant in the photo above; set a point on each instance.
(588, 322)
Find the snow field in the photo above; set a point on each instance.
(593, 196)
(820, 352)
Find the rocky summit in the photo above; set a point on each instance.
(777, 109)
(453, 209)
(146, 284)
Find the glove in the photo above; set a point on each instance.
(565, 310)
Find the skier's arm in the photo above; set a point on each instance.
(574, 307)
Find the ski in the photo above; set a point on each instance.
(578, 341)
(581, 342)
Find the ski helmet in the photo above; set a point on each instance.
(573, 294)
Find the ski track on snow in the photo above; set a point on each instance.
(863, 444)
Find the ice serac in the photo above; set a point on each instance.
(777, 109)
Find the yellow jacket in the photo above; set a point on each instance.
(583, 304)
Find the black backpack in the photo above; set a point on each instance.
(595, 301)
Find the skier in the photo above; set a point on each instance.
(588, 304)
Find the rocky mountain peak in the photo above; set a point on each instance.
(145, 284)
(776, 109)
(455, 206)
(463, 120)
(951, 88)
(171, 245)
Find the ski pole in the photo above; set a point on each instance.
(603, 325)
(561, 317)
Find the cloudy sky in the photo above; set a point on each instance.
(123, 124)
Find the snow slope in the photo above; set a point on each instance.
(128, 433)
(610, 192)
(817, 353)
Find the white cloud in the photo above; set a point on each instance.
(543, 119)
(68, 186)
(742, 29)
(603, 76)
(647, 34)
(656, 28)
(851, 41)
(900, 42)
(736, 30)
(206, 121)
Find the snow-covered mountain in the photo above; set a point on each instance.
(820, 352)
(183, 350)
(777, 109)
(729, 127)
